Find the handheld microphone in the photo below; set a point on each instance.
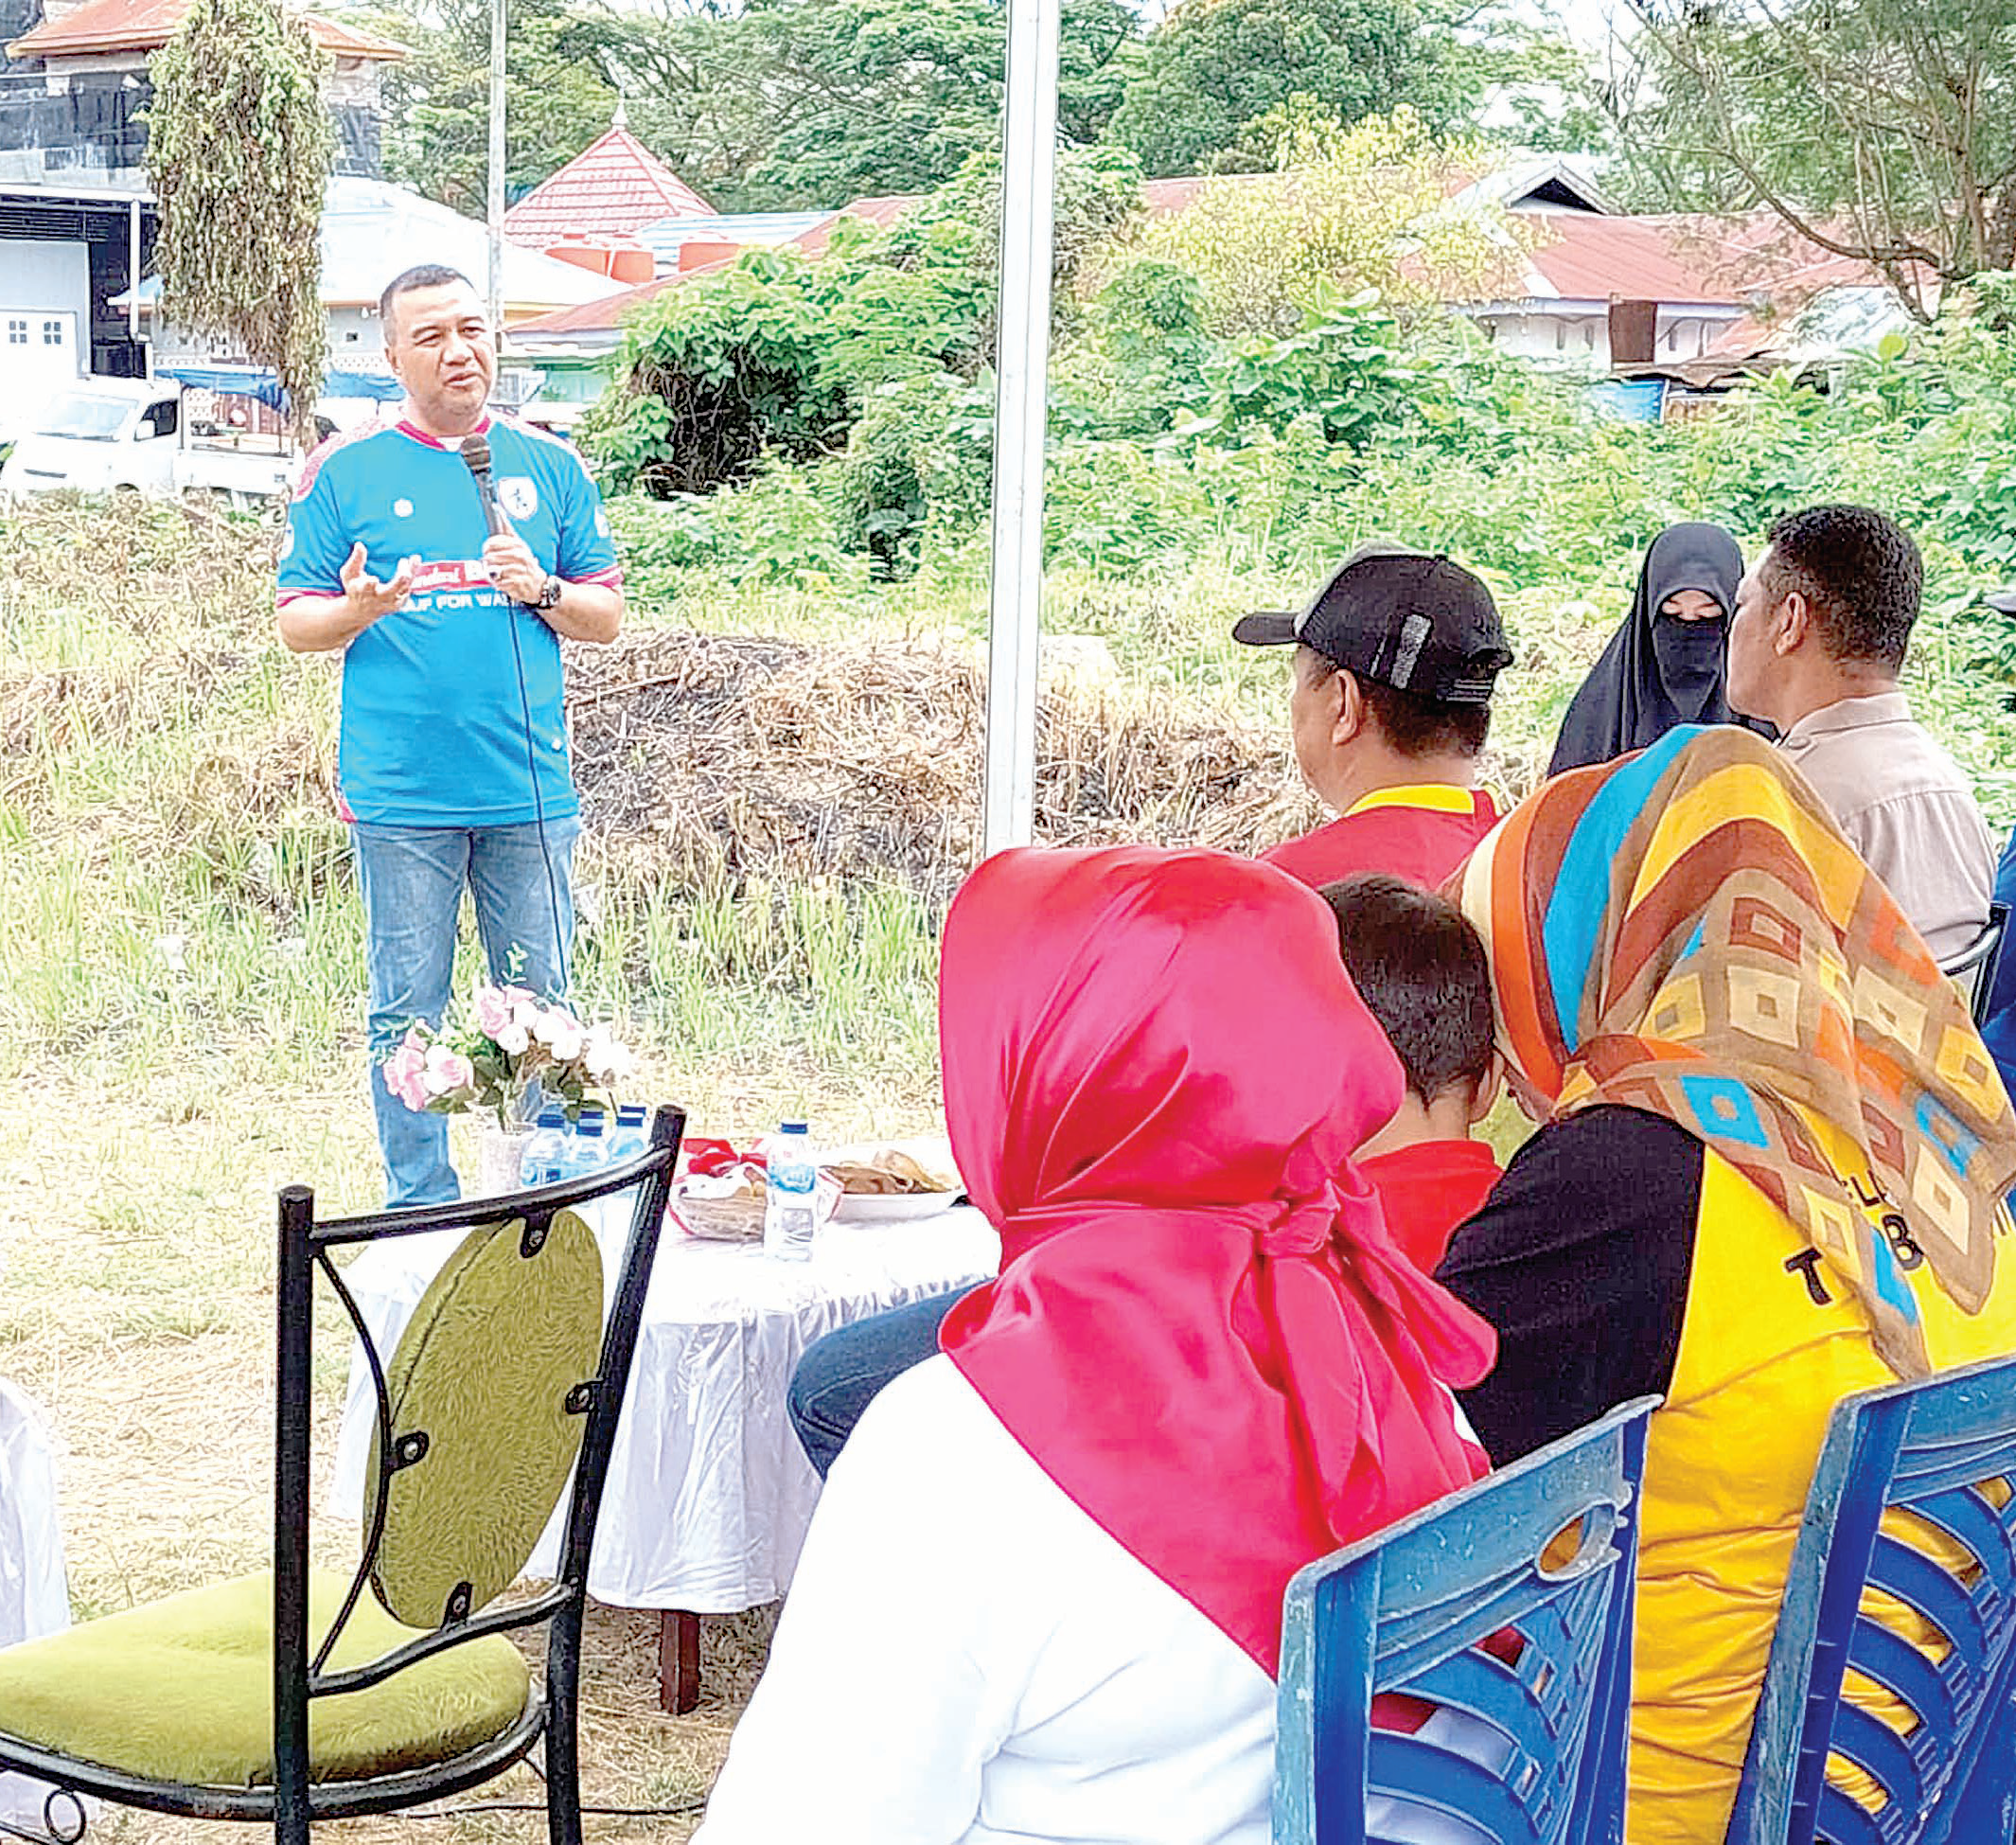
(475, 452)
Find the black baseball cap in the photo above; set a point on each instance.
(1408, 619)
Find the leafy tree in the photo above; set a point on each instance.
(802, 103)
(873, 355)
(1214, 67)
(1882, 129)
(1371, 207)
(238, 150)
(558, 95)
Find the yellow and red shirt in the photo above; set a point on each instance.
(1421, 831)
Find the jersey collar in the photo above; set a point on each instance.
(1435, 797)
(420, 436)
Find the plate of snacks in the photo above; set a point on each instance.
(887, 1183)
(721, 1193)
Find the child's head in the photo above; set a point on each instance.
(1418, 965)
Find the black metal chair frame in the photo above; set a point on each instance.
(1984, 954)
(293, 1799)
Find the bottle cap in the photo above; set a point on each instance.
(590, 1123)
(791, 1128)
(631, 1114)
(553, 1117)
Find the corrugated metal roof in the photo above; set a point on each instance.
(740, 228)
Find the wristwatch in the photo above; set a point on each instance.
(550, 593)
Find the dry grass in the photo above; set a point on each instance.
(704, 756)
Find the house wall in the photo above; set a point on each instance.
(354, 344)
(37, 274)
(83, 118)
(45, 322)
(1578, 338)
(1575, 334)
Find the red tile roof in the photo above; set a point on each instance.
(608, 190)
(881, 212)
(601, 316)
(102, 26)
(1577, 256)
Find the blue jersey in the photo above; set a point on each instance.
(434, 721)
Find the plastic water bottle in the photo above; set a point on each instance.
(787, 1206)
(545, 1150)
(628, 1141)
(588, 1151)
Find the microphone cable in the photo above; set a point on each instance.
(475, 452)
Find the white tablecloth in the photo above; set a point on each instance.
(34, 1599)
(709, 1494)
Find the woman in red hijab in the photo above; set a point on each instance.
(1041, 1597)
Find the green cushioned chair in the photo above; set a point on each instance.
(299, 1693)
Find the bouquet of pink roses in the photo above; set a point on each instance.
(513, 1040)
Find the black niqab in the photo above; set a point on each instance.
(1658, 671)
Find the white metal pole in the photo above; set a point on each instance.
(1021, 392)
(132, 278)
(497, 167)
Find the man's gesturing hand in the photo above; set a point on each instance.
(368, 598)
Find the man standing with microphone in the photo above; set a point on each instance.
(446, 554)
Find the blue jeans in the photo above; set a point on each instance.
(412, 880)
(843, 1372)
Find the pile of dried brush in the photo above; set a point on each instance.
(702, 756)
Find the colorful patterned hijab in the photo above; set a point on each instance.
(1685, 931)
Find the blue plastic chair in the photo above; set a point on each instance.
(1540, 1761)
(1927, 1448)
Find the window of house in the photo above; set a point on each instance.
(52, 332)
(17, 332)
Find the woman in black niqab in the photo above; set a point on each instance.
(1661, 669)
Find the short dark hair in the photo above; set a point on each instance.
(1860, 572)
(421, 276)
(1414, 726)
(1420, 967)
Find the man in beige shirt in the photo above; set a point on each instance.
(1822, 623)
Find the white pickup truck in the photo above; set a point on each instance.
(107, 433)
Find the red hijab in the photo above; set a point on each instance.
(1156, 1070)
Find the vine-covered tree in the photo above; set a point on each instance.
(1882, 129)
(239, 147)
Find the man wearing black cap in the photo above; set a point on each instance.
(1395, 659)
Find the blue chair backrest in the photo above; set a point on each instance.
(1927, 1449)
(1523, 1751)
(1998, 1028)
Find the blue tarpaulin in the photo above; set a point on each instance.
(251, 381)
(1631, 399)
